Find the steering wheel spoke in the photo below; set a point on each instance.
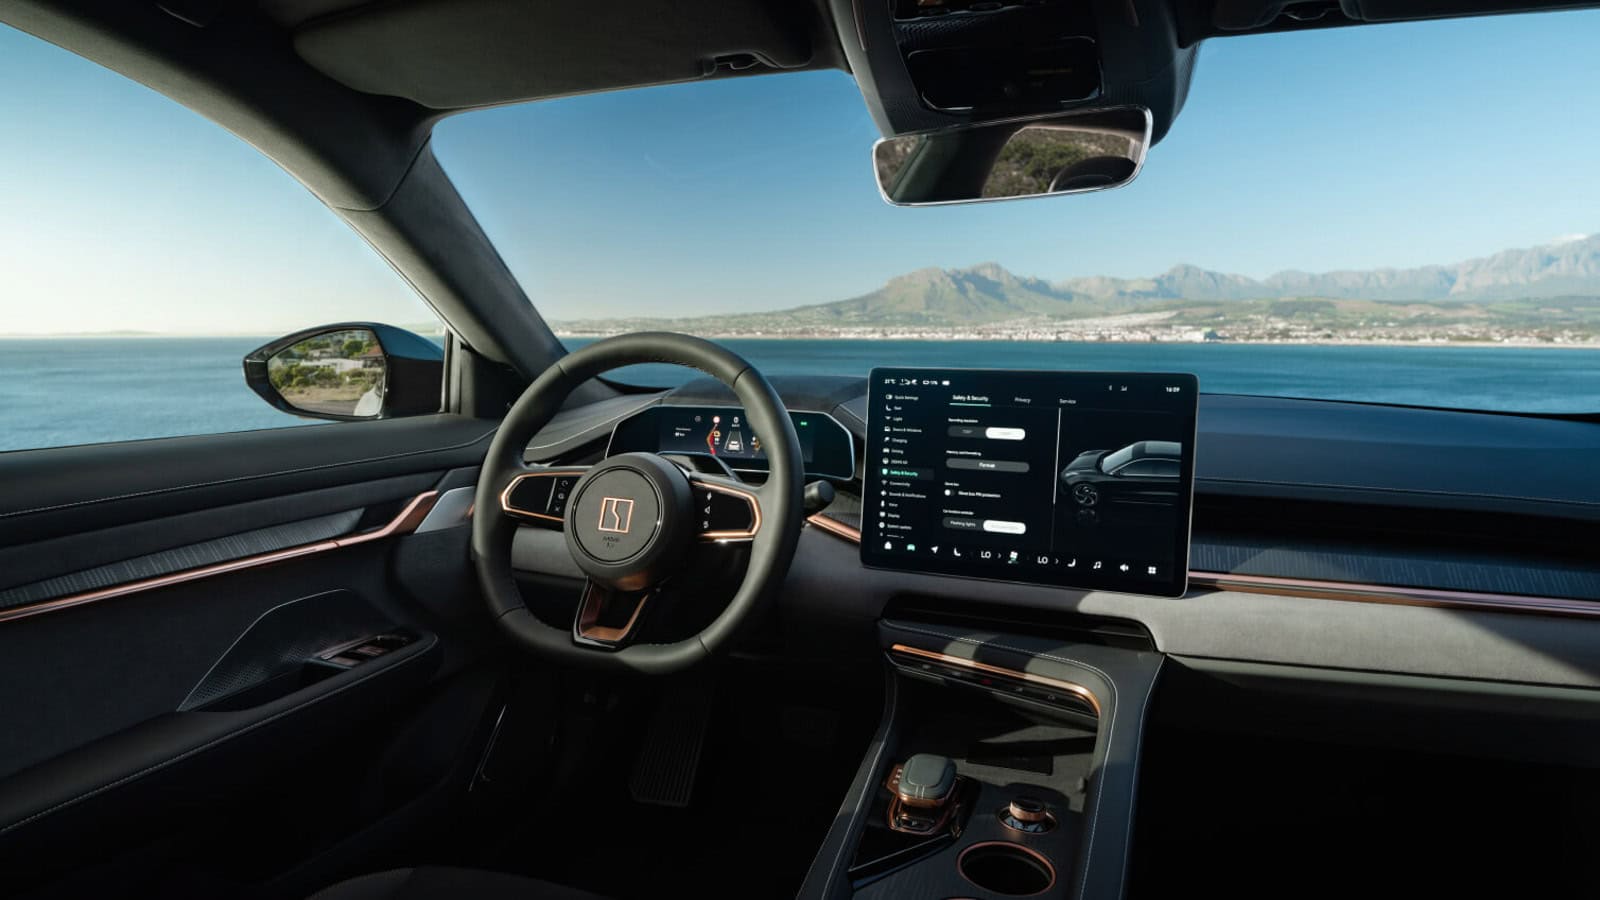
(539, 495)
(725, 509)
(607, 618)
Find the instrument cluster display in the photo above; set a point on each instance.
(723, 432)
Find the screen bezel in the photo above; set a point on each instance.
(1176, 586)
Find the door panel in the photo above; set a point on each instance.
(111, 786)
(69, 490)
(179, 622)
(171, 543)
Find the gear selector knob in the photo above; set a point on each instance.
(926, 780)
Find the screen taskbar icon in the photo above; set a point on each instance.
(1034, 559)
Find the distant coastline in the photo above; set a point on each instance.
(125, 388)
(82, 335)
(1518, 342)
(259, 334)
(1592, 343)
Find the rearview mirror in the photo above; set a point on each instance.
(349, 371)
(1067, 154)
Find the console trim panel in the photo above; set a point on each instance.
(1349, 591)
(1067, 687)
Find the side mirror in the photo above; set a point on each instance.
(1071, 153)
(352, 371)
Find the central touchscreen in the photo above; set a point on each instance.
(1078, 479)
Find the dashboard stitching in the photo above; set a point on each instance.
(254, 726)
(1094, 819)
(242, 478)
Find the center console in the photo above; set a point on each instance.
(1004, 767)
(1008, 754)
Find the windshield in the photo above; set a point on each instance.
(1366, 213)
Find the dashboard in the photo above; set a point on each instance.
(1346, 530)
(1359, 556)
(723, 433)
(1288, 488)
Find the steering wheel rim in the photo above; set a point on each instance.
(779, 499)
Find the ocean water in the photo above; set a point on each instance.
(56, 392)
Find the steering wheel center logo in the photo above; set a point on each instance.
(616, 515)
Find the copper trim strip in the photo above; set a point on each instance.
(1067, 687)
(748, 497)
(1038, 857)
(505, 495)
(408, 519)
(1350, 591)
(589, 610)
(1399, 596)
(835, 527)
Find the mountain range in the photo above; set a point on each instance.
(1567, 268)
(1509, 283)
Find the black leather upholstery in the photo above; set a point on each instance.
(447, 884)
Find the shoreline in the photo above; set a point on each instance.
(936, 339)
(1520, 344)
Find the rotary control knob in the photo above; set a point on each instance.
(1029, 815)
(1028, 809)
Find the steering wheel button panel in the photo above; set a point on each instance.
(724, 514)
(529, 496)
(541, 496)
(559, 494)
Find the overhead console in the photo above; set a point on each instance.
(931, 65)
(996, 59)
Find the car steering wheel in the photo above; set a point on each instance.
(630, 519)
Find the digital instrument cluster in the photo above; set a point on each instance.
(1076, 479)
(723, 432)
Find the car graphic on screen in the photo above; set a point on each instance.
(1141, 472)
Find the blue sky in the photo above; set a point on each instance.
(1397, 145)
(121, 210)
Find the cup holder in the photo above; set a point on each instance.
(1006, 869)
